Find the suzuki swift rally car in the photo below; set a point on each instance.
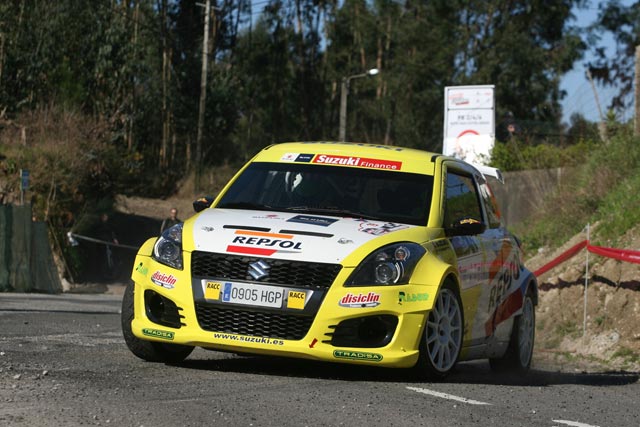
(350, 253)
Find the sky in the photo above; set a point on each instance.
(580, 95)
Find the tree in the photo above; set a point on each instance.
(522, 47)
(617, 68)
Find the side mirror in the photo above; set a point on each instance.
(466, 226)
(202, 203)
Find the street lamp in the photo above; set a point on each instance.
(343, 99)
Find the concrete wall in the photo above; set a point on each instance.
(523, 191)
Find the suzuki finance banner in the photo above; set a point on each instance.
(469, 123)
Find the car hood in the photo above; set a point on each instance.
(291, 236)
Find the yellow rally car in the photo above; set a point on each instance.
(351, 253)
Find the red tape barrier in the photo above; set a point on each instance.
(619, 254)
(560, 259)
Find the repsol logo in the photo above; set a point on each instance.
(268, 242)
(263, 244)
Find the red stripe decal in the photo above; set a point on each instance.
(252, 251)
(505, 310)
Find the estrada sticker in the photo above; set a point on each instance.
(314, 220)
(165, 280)
(357, 355)
(360, 301)
(361, 162)
(157, 333)
(296, 299)
(261, 243)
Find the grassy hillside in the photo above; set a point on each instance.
(603, 189)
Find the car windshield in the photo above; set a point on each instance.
(332, 190)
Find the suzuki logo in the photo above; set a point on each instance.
(259, 270)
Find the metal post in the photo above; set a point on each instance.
(636, 128)
(203, 95)
(586, 286)
(602, 125)
(344, 91)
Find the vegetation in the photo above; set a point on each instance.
(601, 190)
(102, 97)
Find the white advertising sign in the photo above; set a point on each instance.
(469, 123)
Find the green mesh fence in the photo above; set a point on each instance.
(44, 275)
(20, 262)
(5, 246)
(26, 261)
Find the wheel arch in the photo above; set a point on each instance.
(530, 284)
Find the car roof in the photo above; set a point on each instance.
(350, 154)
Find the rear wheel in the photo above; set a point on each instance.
(520, 351)
(442, 338)
(148, 350)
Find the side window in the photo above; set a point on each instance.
(493, 213)
(461, 199)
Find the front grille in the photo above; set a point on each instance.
(253, 323)
(310, 275)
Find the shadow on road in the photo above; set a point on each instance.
(477, 372)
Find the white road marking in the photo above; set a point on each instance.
(447, 396)
(573, 423)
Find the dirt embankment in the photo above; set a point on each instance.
(609, 339)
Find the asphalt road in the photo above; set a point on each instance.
(63, 362)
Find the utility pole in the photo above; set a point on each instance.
(344, 90)
(203, 96)
(636, 126)
(602, 126)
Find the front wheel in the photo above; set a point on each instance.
(148, 350)
(442, 338)
(520, 351)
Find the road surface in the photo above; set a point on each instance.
(63, 362)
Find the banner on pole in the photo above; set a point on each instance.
(469, 123)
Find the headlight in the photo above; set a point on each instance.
(168, 247)
(391, 265)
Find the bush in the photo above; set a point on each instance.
(72, 165)
(514, 155)
(602, 188)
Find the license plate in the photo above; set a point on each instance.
(251, 294)
(256, 295)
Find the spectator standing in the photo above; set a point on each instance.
(171, 221)
(108, 235)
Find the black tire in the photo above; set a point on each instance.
(520, 351)
(441, 340)
(148, 350)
